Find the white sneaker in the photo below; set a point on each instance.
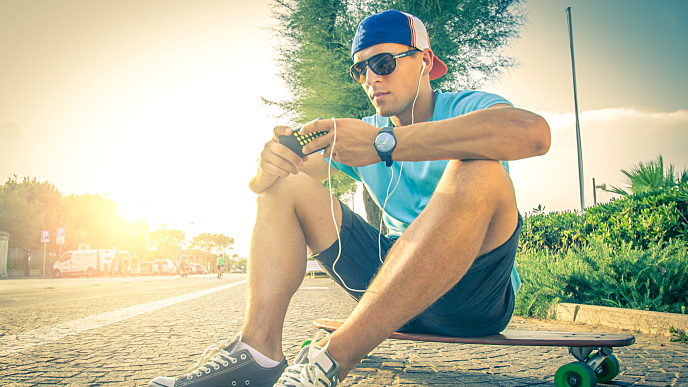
(313, 367)
(224, 365)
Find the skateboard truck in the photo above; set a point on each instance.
(594, 365)
(585, 355)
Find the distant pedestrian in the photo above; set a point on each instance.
(125, 265)
(98, 262)
(135, 265)
(27, 266)
(118, 263)
(111, 269)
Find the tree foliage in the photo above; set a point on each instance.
(313, 45)
(640, 220)
(314, 48)
(166, 241)
(212, 243)
(28, 206)
(651, 176)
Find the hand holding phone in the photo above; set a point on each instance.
(296, 141)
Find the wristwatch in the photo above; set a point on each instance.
(384, 143)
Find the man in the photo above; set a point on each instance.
(220, 265)
(452, 217)
(125, 265)
(135, 264)
(27, 264)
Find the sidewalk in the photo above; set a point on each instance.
(170, 339)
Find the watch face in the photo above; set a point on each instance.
(384, 142)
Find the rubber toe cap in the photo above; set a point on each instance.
(161, 381)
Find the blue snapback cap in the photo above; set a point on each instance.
(394, 26)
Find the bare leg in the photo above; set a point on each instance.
(293, 216)
(472, 212)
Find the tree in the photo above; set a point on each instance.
(202, 242)
(166, 241)
(27, 207)
(211, 243)
(313, 40)
(222, 242)
(650, 176)
(94, 220)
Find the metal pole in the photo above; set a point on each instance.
(45, 244)
(594, 191)
(575, 100)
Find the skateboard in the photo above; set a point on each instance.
(596, 363)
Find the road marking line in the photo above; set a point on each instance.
(29, 339)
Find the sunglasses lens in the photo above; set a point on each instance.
(382, 64)
(358, 72)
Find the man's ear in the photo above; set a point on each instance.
(427, 61)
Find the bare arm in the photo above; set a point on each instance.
(500, 132)
(497, 133)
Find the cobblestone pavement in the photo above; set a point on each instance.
(169, 338)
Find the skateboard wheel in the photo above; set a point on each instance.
(576, 374)
(608, 370)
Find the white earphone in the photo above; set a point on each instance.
(329, 184)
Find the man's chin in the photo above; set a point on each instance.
(384, 112)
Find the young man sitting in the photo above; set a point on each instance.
(430, 159)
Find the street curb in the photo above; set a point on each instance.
(654, 323)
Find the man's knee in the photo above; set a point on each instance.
(481, 178)
(287, 189)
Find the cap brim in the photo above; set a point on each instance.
(438, 68)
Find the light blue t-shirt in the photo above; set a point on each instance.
(408, 197)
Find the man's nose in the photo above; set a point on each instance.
(371, 77)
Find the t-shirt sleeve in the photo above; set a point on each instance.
(475, 100)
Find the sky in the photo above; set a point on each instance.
(157, 104)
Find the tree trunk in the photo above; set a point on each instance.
(373, 212)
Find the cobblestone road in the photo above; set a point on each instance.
(155, 336)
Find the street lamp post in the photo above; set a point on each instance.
(602, 186)
(575, 101)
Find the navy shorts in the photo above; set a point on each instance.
(480, 304)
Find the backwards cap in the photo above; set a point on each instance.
(393, 26)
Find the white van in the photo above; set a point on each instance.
(84, 262)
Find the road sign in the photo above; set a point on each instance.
(45, 236)
(60, 240)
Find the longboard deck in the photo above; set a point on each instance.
(511, 337)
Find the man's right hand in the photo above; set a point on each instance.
(276, 160)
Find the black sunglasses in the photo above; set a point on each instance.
(381, 64)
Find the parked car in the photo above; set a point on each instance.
(198, 269)
(167, 268)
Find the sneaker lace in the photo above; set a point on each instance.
(213, 356)
(307, 374)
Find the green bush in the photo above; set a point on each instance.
(640, 220)
(624, 276)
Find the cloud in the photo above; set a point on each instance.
(612, 139)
